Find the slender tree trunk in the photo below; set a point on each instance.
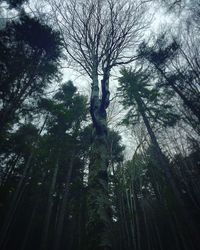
(125, 223)
(44, 244)
(187, 102)
(131, 222)
(135, 204)
(29, 228)
(174, 232)
(158, 235)
(147, 238)
(14, 203)
(61, 216)
(162, 161)
(183, 241)
(17, 195)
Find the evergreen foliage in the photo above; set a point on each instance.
(66, 179)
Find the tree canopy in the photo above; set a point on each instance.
(115, 167)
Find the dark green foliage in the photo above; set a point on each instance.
(66, 111)
(115, 148)
(60, 142)
(137, 84)
(63, 142)
(65, 183)
(165, 53)
(161, 52)
(22, 141)
(30, 53)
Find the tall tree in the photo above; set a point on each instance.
(161, 54)
(30, 52)
(97, 36)
(54, 161)
(66, 115)
(135, 89)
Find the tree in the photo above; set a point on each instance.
(54, 160)
(66, 180)
(35, 51)
(67, 113)
(135, 89)
(160, 55)
(143, 100)
(97, 36)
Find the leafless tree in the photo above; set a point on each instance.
(97, 36)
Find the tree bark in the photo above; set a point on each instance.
(14, 203)
(163, 163)
(44, 244)
(61, 216)
(18, 195)
(99, 224)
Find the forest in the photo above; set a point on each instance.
(99, 125)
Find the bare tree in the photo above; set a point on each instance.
(97, 36)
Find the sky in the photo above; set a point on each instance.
(160, 21)
(115, 111)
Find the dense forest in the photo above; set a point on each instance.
(108, 160)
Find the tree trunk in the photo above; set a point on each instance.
(61, 216)
(187, 102)
(44, 244)
(15, 203)
(18, 195)
(99, 224)
(29, 228)
(163, 163)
